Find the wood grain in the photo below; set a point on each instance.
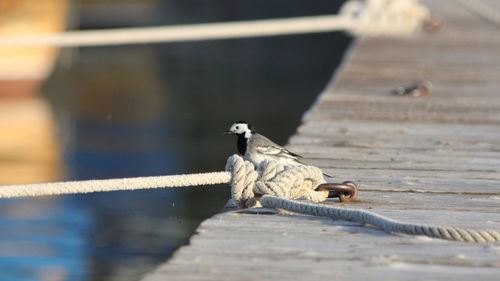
(433, 159)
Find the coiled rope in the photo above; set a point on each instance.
(272, 178)
(270, 185)
(370, 18)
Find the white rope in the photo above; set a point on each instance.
(294, 182)
(74, 187)
(385, 17)
(382, 222)
(373, 17)
(252, 187)
(297, 182)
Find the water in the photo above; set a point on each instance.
(154, 110)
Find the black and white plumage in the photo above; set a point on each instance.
(256, 148)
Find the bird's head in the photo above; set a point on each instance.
(241, 128)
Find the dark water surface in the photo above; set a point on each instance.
(155, 110)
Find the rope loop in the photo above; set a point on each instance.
(248, 183)
(384, 17)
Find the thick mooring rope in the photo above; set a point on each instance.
(270, 185)
(382, 222)
(370, 18)
(88, 186)
(293, 182)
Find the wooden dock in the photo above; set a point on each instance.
(433, 159)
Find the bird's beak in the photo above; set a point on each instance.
(227, 133)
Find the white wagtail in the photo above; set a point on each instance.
(256, 148)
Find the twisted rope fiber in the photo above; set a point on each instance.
(247, 182)
(382, 222)
(270, 185)
(72, 187)
(294, 182)
(372, 18)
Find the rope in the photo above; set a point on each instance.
(88, 186)
(385, 17)
(371, 18)
(294, 182)
(382, 222)
(271, 185)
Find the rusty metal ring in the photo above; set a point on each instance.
(346, 191)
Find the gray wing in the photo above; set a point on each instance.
(263, 145)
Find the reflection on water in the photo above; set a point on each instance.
(43, 240)
(29, 150)
(153, 110)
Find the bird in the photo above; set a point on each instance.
(256, 148)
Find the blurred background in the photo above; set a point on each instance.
(142, 110)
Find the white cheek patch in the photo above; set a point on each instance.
(248, 134)
(239, 128)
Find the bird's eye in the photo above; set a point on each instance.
(237, 127)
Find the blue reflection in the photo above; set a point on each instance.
(153, 110)
(108, 150)
(44, 239)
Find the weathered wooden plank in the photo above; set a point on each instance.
(312, 147)
(384, 87)
(406, 110)
(451, 75)
(388, 130)
(438, 46)
(445, 54)
(439, 92)
(414, 160)
(398, 157)
(304, 248)
(405, 206)
(404, 165)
